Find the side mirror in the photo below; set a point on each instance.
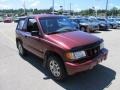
(35, 33)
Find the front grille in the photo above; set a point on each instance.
(92, 52)
(95, 26)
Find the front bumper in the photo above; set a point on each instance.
(93, 29)
(73, 68)
(115, 26)
(103, 27)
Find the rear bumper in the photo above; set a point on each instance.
(73, 68)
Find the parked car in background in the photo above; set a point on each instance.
(113, 25)
(85, 25)
(64, 49)
(118, 21)
(75, 24)
(8, 20)
(1, 19)
(103, 25)
(16, 20)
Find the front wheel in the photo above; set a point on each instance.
(83, 29)
(56, 68)
(111, 26)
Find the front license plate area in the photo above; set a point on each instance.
(96, 61)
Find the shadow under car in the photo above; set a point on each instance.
(98, 78)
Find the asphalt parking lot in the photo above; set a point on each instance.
(17, 73)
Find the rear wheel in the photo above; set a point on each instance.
(56, 68)
(21, 50)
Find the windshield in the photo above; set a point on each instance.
(94, 20)
(83, 21)
(101, 19)
(56, 25)
(117, 19)
(111, 20)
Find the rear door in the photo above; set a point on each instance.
(19, 30)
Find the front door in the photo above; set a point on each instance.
(34, 43)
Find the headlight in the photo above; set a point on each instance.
(101, 45)
(102, 24)
(75, 55)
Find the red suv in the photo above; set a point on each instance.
(64, 49)
(8, 20)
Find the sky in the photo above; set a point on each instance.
(76, 5)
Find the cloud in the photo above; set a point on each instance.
(3, 0)
(75, 7)
(31, 3)
(35, 4)
(4, 5)
(112, 5)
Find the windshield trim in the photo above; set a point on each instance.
(46, 31)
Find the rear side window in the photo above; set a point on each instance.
(20, 24)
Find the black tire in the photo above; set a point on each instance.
(111, 26)
(21, 50)
(83, 29)
(57, 72)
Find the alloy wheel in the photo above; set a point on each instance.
(54, 68)
(20, 48)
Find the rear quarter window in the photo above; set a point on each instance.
(20, 24)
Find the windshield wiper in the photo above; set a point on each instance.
(66, 29)
(54, 32)
(61, 30)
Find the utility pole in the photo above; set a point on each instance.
(96, 12)
(64, 6)
(53, 7)
(106, 8)
(95, 8)
(70, 8)
(24, 6)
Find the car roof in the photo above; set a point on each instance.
(45, 15)
(75, 18)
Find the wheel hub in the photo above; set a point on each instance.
(20, 48)
(54, 68)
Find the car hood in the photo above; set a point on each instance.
(69, 40)
(111, 22)
(86, 24)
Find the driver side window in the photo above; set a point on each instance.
(32, 25)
